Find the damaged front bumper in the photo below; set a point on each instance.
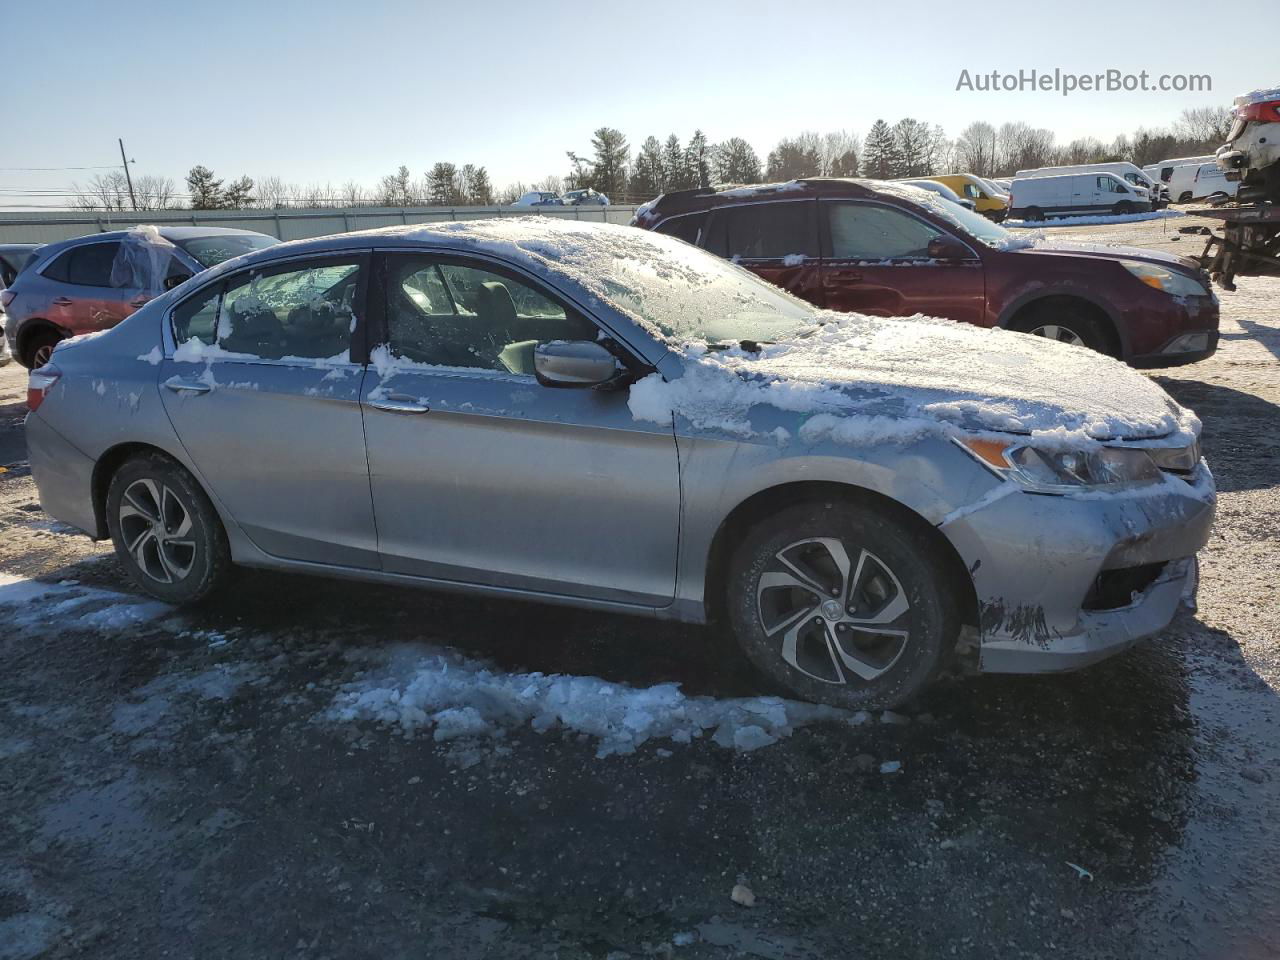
(1065, 581)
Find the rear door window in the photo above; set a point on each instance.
(688, 228)
(90, 265)
(301, 311)
(770, 231)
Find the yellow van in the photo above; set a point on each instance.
(986, 200)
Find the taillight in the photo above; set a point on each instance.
(39, 383)
(1265, 111)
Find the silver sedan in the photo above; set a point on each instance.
(606, 417)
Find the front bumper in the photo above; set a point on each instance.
(1037, 563)
(1185, 348)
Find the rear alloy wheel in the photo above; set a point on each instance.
(842, 605)
(165, 530)
(1063, 334)
(38, 349)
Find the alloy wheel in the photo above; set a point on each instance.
(43, 354)
(1057, 332)
(157, 530)
(835, 614)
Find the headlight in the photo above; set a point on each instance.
(1050, 471)
(1168, 281)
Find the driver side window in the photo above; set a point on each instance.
(452, 315)
(868, 232)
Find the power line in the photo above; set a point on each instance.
(109, 166)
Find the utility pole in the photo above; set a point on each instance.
(127, 177)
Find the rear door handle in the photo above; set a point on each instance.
(182, 385)
(62, 301)
(398, 403)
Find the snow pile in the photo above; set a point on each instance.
(31, 603)
(1094, 220)
(424, 690)
(866, 379)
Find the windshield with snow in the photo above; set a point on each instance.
(974, 224)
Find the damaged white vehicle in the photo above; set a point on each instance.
(608, 417)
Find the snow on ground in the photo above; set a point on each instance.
(420, 690)
(1092, 221)
(30, 604)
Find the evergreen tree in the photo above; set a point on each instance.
(396, 189)
(206, 190)
(675, 166)
(442, 185)
(647, 179)
(609, 164)
(474, 187)
(879, 155)
(698, 159)
(736, 162)
(239, 194)
(792, 159)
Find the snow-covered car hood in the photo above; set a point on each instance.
(868, 379)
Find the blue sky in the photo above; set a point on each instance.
(327, 90)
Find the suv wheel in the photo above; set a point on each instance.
(166, 532)
(1123, 207)
(37, 349)
(841, 604)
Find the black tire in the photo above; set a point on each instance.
(1185, 197)
(1123, 207)
(897, 563)
(1034, 214)
(37, 347)
(151, 538)
(1083, 326)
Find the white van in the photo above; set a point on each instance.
(1076, 194)
(1211, 179)
(1120, 168)
(1177, 175)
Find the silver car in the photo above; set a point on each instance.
(606, 417)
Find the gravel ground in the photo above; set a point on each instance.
(173, 785)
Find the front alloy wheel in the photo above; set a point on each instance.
(837, 619)
(843, 602)
(1055, 331)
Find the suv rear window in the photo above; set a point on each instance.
(687, 228)
(768, 231)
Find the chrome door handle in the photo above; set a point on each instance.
(181, 385)
(62, 301)
(399, 404)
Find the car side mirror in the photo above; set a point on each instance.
(944, 248)
(176, 280)
(574, 363)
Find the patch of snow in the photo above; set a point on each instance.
(420, 690)
(37, 604)
(197, 351)
(793, 259)
(154, 356)
(1093, 219)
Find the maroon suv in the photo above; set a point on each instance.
(892, 250)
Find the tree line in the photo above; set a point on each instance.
(906, 148)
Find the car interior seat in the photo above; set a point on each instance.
(254, 329)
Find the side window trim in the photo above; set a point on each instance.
(824, 228)
(358, 349)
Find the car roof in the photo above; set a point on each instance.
(174, 233)
(706, 198)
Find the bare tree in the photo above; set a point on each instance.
(353, 194)
(1205, 125)
(106, 191)
(153, 192)
(976, 149)
(839, 152)
(511, 193)
(272, 192)
(1023, 147)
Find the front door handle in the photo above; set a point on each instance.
(182, 385)
(398, 403)
(62, 301)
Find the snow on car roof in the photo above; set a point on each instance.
(1258, 96)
